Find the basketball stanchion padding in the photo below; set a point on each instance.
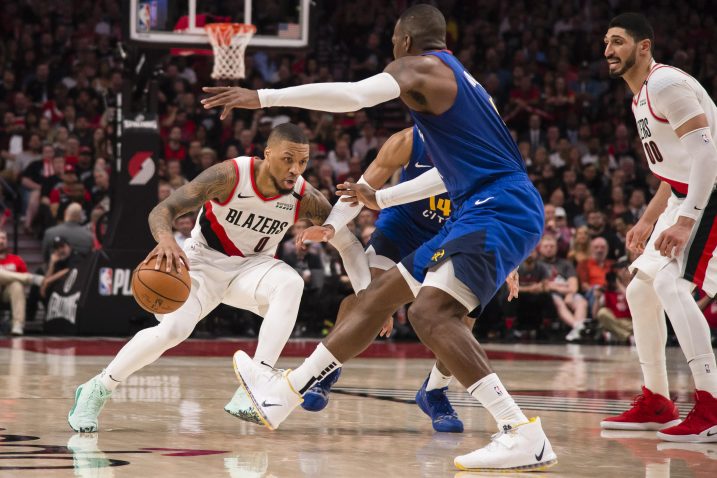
(158, 291)
(229, 41)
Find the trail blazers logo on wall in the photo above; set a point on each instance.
(141, 168)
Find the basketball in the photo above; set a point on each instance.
(159, 291)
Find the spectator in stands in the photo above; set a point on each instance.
(580, 245)
(183, 226)
(13, 278)
(207, 158)
(533, 297)
(612, 311)
(562, 284)
(592, 272)
(71, 230)
(365, 142)
(31, 181)
(338, 158)
(62, 259)
(68, 191)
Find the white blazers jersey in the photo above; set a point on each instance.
(658, 113)
(248, 223)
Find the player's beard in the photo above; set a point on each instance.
(627, 64)
(282, 191)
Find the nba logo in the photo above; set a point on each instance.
(105, 281)
(498, 390)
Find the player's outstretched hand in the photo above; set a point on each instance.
(314, 234)
(637, 236)
(354, 193)
(513, 282)
(230, 97)
(168, 247)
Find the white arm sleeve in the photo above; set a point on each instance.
(703, 171)
(426, 185)
(353, 257)
(334, 97)
(675, 99)
(342, 213)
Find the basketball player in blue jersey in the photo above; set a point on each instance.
(497, 222)
(399, 231)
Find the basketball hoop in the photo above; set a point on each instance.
(229, 41)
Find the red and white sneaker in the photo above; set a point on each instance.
(649, 411)
(700, 425)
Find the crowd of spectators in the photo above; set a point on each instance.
(541, 61)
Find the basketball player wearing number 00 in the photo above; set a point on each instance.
(247, 206)
(677, 122)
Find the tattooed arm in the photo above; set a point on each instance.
(215, 182)
(316, 208)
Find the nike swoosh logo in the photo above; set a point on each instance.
(697, 208)
(710, 434)
(239, 196)
(266, 364)
(481, 201)
(267, 405)
(540, 456)
(418, 165)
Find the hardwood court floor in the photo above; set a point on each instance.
(168, 419)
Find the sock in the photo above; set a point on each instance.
(704, 372)
(316, 366)
(689, 324)
(437, 380)
(650, 331)
(108, 381)
(491, 393)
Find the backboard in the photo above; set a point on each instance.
(180, 23)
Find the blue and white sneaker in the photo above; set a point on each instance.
(435, 404)
(317, 397)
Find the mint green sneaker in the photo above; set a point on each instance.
(90, 397)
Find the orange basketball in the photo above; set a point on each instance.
(159, 291)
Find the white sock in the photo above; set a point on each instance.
(283, 297)
(491, 393)
(108, 381)
(316, 366)
(689, 324)
(437, 380)
(650, 330)
(704, 372)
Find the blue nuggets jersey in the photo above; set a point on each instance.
(418, 221)
(469, 144)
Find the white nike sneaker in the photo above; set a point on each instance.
(90, 397)
(270, 398)
(522, 448)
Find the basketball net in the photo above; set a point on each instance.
(229, 41)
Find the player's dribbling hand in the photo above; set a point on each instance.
(168, 247)
(354, 193)
(387, 328)
(513, 281)
(673, 239)
(315, 234)
(230, 97)
(636, 238)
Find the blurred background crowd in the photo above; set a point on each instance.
(542, 62)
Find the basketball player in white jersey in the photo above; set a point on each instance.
(247, 205)
(677, 236)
